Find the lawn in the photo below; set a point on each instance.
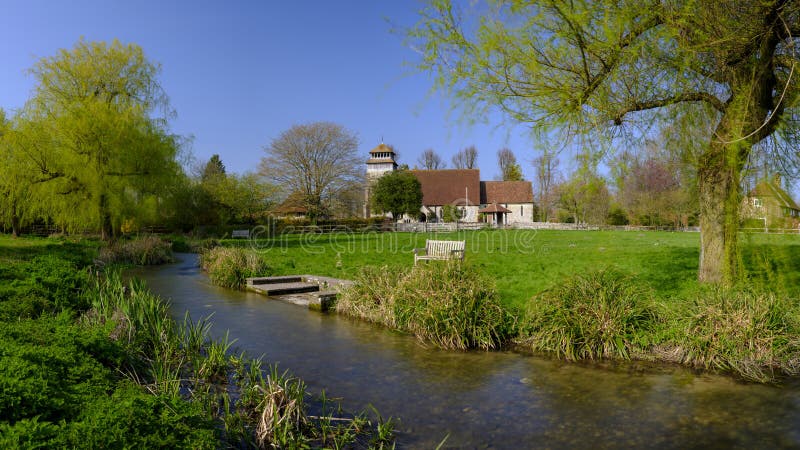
(525, 262)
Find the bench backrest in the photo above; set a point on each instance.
(240, 233)
(443, 248)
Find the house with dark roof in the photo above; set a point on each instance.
(768, 201)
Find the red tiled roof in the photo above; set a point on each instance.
(444, 187)
(494, 208)
(506, 192)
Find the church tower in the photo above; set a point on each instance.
(381, 161)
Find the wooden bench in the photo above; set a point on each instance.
(240, 234)
(440, 250)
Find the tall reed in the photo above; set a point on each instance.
(146, 250)
(598, 315)
(450, 304)
(229, 267)
(750, 332)
(181, 361)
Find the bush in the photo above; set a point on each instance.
(752, 333)
(449, 304)
(148, 250)
(599, 315)
(229, 267)
(43, 284)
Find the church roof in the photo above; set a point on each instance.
(506, 192)
(445, 187)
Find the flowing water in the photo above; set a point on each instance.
(487, 400)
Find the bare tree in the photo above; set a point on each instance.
(318, 160)
(466, 158)
(509, 168)
(430, 160)
(545, 167)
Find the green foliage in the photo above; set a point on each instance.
(597, 315)
(46, 283)
(398, 192)
(229, 267)
(451, 304)
(214, 169)
(125, 375)
(96, 130)
(513, 173)
(617, 216)
(677, 61)
(452, 213)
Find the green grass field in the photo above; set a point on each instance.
(526, 262)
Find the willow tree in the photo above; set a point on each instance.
(728, 66)
(102, 116)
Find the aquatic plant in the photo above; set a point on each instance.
(229, 267)
(449, 304)
(145, 250)
(597, 315)
(748, 331)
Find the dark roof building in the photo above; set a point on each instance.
(450, 186)
(506, 192)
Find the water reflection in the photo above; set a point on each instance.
(488, 400)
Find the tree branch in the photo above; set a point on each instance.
(683, 97)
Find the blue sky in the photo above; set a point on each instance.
(238, 73)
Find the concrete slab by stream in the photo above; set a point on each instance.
(312, 291)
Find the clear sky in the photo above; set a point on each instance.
(238, 73)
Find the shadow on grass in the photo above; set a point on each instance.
(671, 270)
(774, 267)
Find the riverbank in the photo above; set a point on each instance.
(495, 399)
(90, 361)
(629, 295)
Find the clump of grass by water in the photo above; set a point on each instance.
(753, 333)
(450, 304)
(147, 250)
(229, 267)
(592, 316)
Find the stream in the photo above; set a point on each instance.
(487, 399)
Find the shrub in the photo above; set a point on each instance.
(229, 267)
(148, 250)
(449, 304)
(598, 315)
(752, 333)
(180, 245)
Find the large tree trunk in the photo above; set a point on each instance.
(106, 226)
(15, 225)
(718, 180)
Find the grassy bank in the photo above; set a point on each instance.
(88, 361)
(524, 263)
(575, 295)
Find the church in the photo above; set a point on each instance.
(495, 202)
